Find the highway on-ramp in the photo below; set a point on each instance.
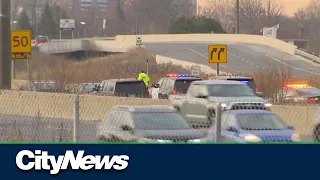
(242, 57)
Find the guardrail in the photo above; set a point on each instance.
(304, 53)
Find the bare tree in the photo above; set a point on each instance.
(183, 8)
(223, 11)
(312, 24)
(260, 13)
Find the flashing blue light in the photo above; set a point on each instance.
(183, 75)
(244, 81)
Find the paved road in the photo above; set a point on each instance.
(241, 57)
(31, 129)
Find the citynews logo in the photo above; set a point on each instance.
(41, 160)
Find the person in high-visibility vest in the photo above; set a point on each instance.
(144, 77)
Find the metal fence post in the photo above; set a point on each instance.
(76, 120)
(218, 123)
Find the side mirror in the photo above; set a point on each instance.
(232, 129)
(126, 128)
(291, 127)
(155, 85)
(260, 94)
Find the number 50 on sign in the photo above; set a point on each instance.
(21, 44)
(217, 53)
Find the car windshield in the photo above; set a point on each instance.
(260, 122)
(230, 90)
(249, 82)
(88, 87)
(159, 121)
(130, 87)
(42, 39)
(182, 85)
(308, 91)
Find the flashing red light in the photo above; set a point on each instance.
(257, 90)
(174, 91)
(172, 75)
(86, 93)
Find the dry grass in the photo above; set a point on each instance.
(65, 71)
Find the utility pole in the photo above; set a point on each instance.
(238, 16)
(5, 45)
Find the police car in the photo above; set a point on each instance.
(299, 93)
(172, 84)
(248, 80)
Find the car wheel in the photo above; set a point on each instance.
(211, 115)
(316, 133)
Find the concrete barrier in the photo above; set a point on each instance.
(302, 118)
(307, 55)
(122, 42)
(242, 38)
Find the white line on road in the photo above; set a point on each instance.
(207, 58)
(293, 67)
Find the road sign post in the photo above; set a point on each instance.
(195, 71)
(20, 48)
(138, 41)
(67, 25)
(217, 53)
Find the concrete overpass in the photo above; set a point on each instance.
(247, 53)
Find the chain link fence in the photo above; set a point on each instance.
(60, 117)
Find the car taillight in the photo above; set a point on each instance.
(174, 91)
(312, 100)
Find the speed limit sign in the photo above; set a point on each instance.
(138, 40)
(21, 44)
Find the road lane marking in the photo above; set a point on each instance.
(293, 67)
(207, 58)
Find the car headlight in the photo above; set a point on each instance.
(295, 137)
(195, 140)
(223, 106)
(163, 141)
(251, 138)
(267, 105)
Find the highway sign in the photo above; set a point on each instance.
(67, 24)
(138, 40)
(21, 44)
(217, 53)
(195, 71)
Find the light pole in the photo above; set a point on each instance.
(5, 45)
(238, 16)
(83, 28)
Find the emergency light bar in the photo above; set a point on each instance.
(297, 86)
(177, 75)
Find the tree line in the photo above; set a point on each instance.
(49, 23)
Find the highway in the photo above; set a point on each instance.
(33, 129)
(242, 57)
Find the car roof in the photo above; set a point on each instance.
(183, 78)
(214, 81)
(123, 80)
(233, 77)
(248, 111)
(144, 109)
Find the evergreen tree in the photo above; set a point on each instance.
(196, 25)
(24, 21)
(47, 25)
